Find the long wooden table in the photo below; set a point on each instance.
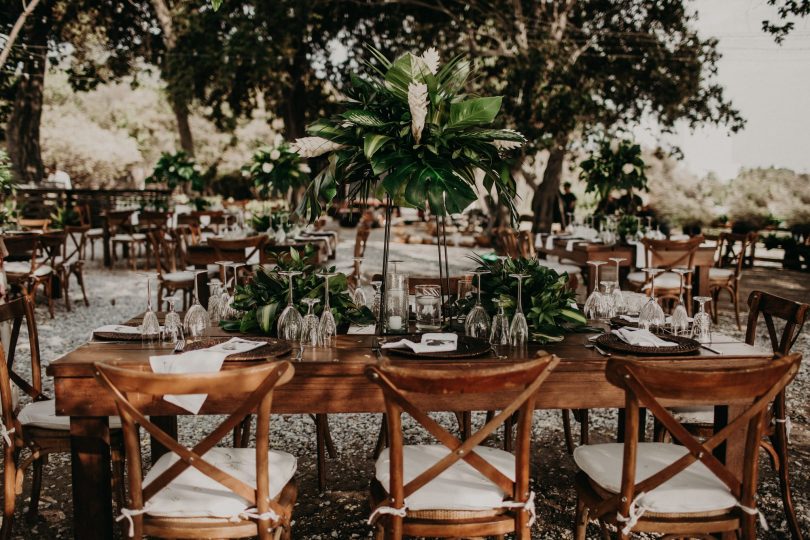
(326, 381)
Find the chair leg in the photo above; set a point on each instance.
(320, 443)
(581, 521)
(735, 295)
(36, 489)
(117, 459)
(65, 286)
(584, 427)
(330, 444)
(80, 279)
(569, 439)
(780, 444)
(9, 490)
(382, 438)
(49, 294)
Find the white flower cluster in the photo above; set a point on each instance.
(309, 147)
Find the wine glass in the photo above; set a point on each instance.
(327, 328)
(680, 317)
(377, 300)
(172, 325)
(214, 301)
(150, 325)
(595, 298)
(196, 321)
(290, 321)
(519, 329)
(651, 314)
(359, 294)
(500, 326)
(702, 323)
(309, 333)
(606, 308)
(619, 305)
(476, 324)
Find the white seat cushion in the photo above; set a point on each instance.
(720, 273)
(213, 270)
(43, 414)
(121, 237)
(175, 277)
(24, 267)
(95, 232)
(693, 415)
(666, 280)
(193, 494)
(694, 489)
(461, 487)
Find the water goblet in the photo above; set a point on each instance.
(196, 321)
(595, 298)
(310, 336)
(214, 301)
(605, 310)
(500, 326)
(172, 325)
(290, 322)
(476, 324)
(377, 299)
(651, 313)
(150, 326)
(359, 294)
(327, 328)
(702, 322)
(619, 305)
(519, 329)
(680, 317)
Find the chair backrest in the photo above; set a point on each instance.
(525, 241)
(239, 250)
(21, 247)
(85, 217)
(645, 385)
(75, 240)
(509, 242)
(38, 224)
(118, 219)
(360, 241)
(669, 254)
(401, 383)
(165, 251)
(15, 312)
(134, 389)
(728, 255)
(52, 245)
(149, 219)
(770, 307)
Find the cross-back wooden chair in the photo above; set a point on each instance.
(71, 262)
(202, 504)
(34, 224)
(525, 241)
(123, 233)
(509, 242)
(679, 490)
(170, 279)
(419, 491)
(239, 250)
(24, 270)
(34, 426)
(666, 255)
(216, 220)
(728, 272)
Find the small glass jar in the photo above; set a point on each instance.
(428, 307)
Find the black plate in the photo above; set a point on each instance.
(684, 345)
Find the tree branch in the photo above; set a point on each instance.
(12, 36)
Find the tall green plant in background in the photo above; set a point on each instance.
(7, 188)
(614, 165)
(178, 169)
(410, 131)
(276, 171)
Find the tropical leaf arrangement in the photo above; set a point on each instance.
(64, 217)
(614, 165)
(275, 171)
(409, 130)
(272, 221)
(265, 297)
(549, 305)
(178, 169)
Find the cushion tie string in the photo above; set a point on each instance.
(788, 425)
(527, 506)
(390, 510)
(128, 514)
(755, 512)
(6, 432)
(634, 513)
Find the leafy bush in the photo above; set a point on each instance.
(178, 169)
(275, 171)
(614, 165)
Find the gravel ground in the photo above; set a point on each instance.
(342, 511)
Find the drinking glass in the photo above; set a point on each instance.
(309, 332)
(702, 322)
(428, 307)
(150, 325)
(605, 310)
(619, 305)
(172, 325)
(359, 294)
(595, 298)
(680, 317)
(651, 314)
(396, 304)
(500, 326)
(290, 322)
(519, 329)
(477, 322)
(465, 286)
(376, 301)
(214, 307)
(327, 328)
(196, 321)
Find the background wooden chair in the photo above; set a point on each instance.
(35, 426)
(508, 240)
(455, 489)
(680, 490)
(726, 275)
(525, 243)
(170, 279)
(224, 492)
(666, 255)
(71, 262)
(23, 268)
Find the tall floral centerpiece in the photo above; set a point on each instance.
(614, 165)
(276, 171)
(410, 133)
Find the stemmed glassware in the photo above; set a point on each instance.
(651, 314)
(327, 328)
(375, 303)
(519, 329)
(172, 325)
(476, 324)
(606, 308)
(214, 301)
(309, 334)
(594, 300)
(290, 322)
(680, 318)
(500, 326)
(359, 294)
(702, 322)
(196, 321)
(150, 325)
(619, 305)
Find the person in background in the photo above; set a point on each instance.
(569, 200)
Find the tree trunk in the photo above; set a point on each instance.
(22, 129)
(547, 194)
(183, 127)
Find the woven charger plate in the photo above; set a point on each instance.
(684, 345)
(618, 321)
(468, 347)
(272, 348)
(119, 336)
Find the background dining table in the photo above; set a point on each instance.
(332, 380)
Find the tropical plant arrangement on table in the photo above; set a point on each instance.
(265, 297)
(614, 165)
(276, 171)
(409, 131)
(548, 303)
(178, 169)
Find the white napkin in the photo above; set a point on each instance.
(118, 329)
(431, 343)
(200, 361)
(550, 241)
(640, 337)
(569, 246)
(368, 329)
(632, 319)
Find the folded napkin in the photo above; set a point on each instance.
(632, 319)
(118, 329)
(550, 241)
(569, 246)
(642, 338)
(200, 361)
(431, 343)
(368, 329)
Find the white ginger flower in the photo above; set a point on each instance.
(309, 147)
(275, 154)
(304, 168)
(267, 167)
(501, 144)
(418, 103)
(431, 58)
(628, 168)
